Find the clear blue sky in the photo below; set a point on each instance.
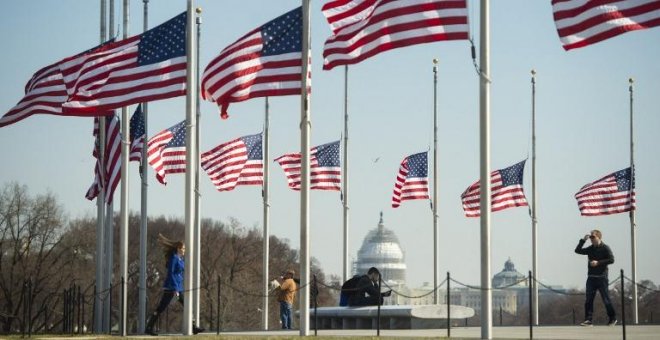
(582, 133)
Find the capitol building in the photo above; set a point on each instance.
(381, 249)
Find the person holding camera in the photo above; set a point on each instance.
(367, 290)
(599, 256)
(285, 294)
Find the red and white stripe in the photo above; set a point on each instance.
(111, 78)
(164, 160)
(112, 161)
(342, 13)
(501, 197)
(321, 178)
(44, 94)
(584, 22)
(136, 149)
(228, 166)
(389, 24)
(413, 188)
(602, 197)
(240, 73)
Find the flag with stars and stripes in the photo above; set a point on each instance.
(166, 151)
(237, 162)
(147, 67)
(581, 23)
(324, 166)
(265, 62)
(412, 181)
(365, 28)
(612, 194)
(138, 135)
(112, 158)
(45, 92)
(506, 187)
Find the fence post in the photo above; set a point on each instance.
(380, 282)
(24, 321)
(315, 293)
(94, 309)
(30, 308)
(122, 327)
(531, 307)
(448, 305)
(218, 310)
(110, 314)
(64, 311)
(82, 296)
(623, 306)
(500, 315)
(574, 316)
(79, 300)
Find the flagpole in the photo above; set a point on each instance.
(345, 173)
(305, 127)
(198, 226)
(633, 231)
(123, 231)
(485, 201)
(142, 285)
(109, 214)
(436, 268)
(100, 200)
(266, 206)
(191, 165)
(535, 287)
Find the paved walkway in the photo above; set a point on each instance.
(546, 332)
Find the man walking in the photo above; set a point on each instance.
(600, 256)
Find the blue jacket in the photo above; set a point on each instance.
(174, 279)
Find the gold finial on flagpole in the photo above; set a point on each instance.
(435, 61)
(631, 80)
(198, 10)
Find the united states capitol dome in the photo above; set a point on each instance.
(381, 249)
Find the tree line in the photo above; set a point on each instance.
(39, 244)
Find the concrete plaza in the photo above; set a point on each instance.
(544, 332)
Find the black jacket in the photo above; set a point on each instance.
(601, 253)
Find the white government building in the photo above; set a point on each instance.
(381, 249)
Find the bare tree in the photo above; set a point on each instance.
(30, 233)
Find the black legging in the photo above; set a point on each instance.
(166, 299)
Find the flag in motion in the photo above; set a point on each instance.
(138, 135)
(364, 28)
(264, 62)
(324, 166)
(166, 151)
(612, 194)
(237, 162)
(581, 22)
(110, 178)
(45, 92)
(412, 182)
(147, 67)
(506, 191)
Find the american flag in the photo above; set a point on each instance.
(412, 182)
(612, 194)
(237, 162)
(581, 23)
(264, 62)
(138, 135)
(325, 167)
(166, 151)
(143, 68)
(45, 92)
(506, 191)
(109, 179)
(364, 28)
